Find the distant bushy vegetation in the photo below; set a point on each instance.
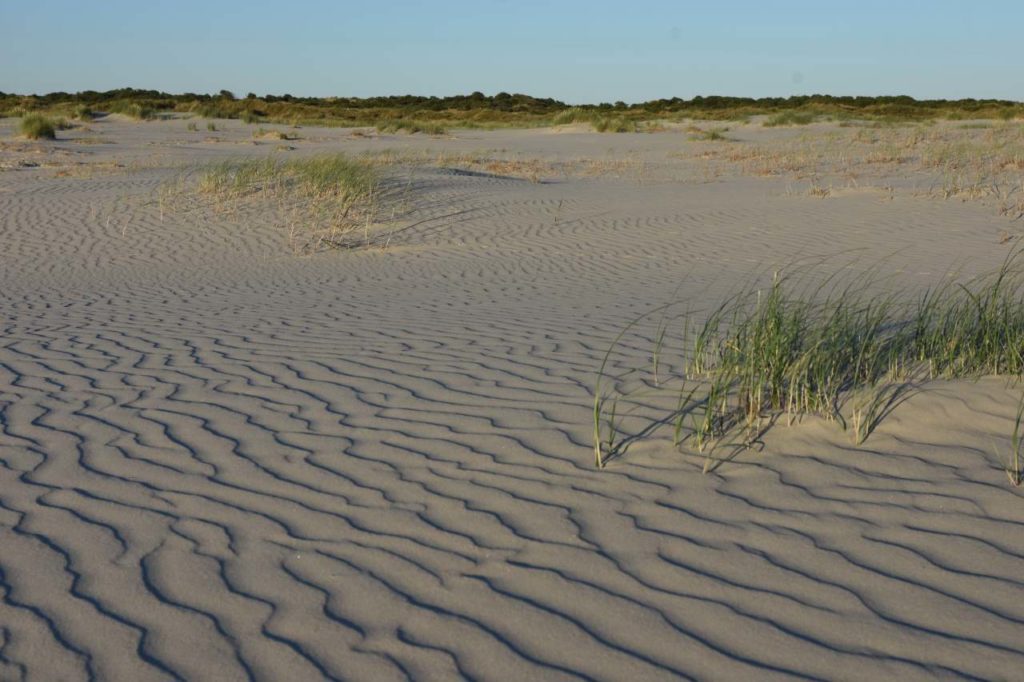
(502, 109)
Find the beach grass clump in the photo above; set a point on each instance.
(411, 126)
(274, 134)
(216, 109)
(849, 352)
(141, 112)
(136, 110)
(709, 135)
(571, 115)
(789, 118)
(326, 199)
(38, 127)
(779, 350)
(971, 329)
(329, 176)
(613, 124)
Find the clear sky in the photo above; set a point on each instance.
(574, 51)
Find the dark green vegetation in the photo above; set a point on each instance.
(845, 351)
(502, 109)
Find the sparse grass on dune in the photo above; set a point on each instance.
(848, 352)
(568, 116)
(401, 125)
(709, 135)
(499, 162)
(600, 120)
(36, 127)
(274, 134)
(950, 162)
(327, 199)
(335, 176)
(136, 110)
(613, 124)
(790, 118)
(337, 201)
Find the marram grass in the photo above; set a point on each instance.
(1014, 464)
(792, 348)
(329, 199)
(336, 176)
(410, 126)
(789, 118)
(36, 127)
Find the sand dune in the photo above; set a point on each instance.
(222, 461)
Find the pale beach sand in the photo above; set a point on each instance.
(223, 461)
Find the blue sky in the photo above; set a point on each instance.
(575, 51)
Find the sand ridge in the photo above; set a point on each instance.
(222, 461)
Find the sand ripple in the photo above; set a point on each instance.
(221, 462)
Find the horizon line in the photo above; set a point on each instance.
(477, 94)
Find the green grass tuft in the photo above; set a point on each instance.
(835, 350)
(335, 176)
(36, 127)
(609, 124)
(136, 110)
(410, 126)
(330, 201)
(789, 118)
(600, 122)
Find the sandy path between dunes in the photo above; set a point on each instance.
(219, 461)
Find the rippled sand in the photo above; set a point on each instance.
(222, 461)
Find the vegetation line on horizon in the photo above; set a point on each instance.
(501, 110)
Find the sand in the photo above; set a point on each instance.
(221, 461)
